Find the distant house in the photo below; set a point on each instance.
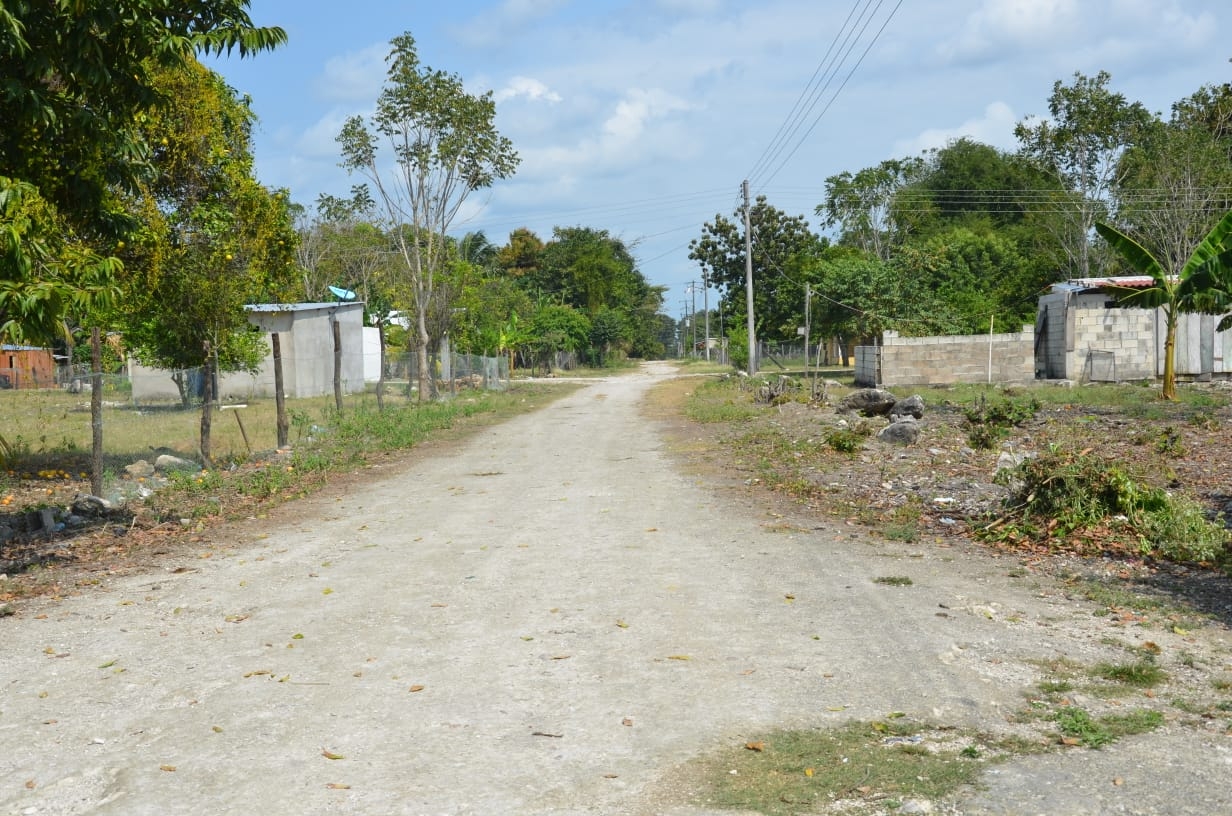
(306, 338)
(1081, 334)
(27, 367)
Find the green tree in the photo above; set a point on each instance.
(859, 297)
(861, 205)
(445, 146)
(76, 80)
(214, 241)
(781, 244)
(45, 272)
(555, 329)
(968, 183)
(1203, 283)
(1081, 145)
(1175, 186)
(522, 255)
(970, 276)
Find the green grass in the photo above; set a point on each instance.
(1138, 674)
(1096, 732)
(893, 580)
(795, 772)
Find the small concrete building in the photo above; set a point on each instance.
(306, 339)
(1082, 334)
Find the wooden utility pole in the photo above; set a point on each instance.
(748, 280)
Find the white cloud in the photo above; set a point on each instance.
(354, 77)
(528, 88)
(636, 110)
(995, 127)
(1001, 26)
(496, 26)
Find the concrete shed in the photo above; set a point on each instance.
(1081, 334)
(306, 337)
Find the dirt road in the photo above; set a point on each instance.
(548, 620)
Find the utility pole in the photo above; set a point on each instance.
(706, 306)
(748, 280)
(693, 317)
(808, 323)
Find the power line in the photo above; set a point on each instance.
(819, 91)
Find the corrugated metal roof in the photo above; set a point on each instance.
(1093, 284)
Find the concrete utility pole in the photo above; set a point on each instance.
(706, 306)
(748, 280)
(693, 316)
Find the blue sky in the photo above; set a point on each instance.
(642, 117)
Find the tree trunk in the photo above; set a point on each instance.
(421, 355)
(96, 411)
(207, 405)
(1168, 391)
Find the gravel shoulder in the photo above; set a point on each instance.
(553, 618)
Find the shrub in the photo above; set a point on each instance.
(988, 422)
(1059, 494)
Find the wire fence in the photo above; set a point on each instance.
(147, 412)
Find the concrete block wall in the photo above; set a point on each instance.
(1123, 342)
(955, 359)
(868, 366)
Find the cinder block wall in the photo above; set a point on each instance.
(1124, 340)
(957, 359)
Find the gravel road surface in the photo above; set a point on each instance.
(551, 618)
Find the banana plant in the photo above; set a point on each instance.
(1203, 284)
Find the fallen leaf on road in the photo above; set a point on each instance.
(678, 657)
(417, 687)
(337, 786)
(561, 657)
(627, 721)
(217, 729)
(755, 746)
(546, 734)
(808, 772)
(30, 784)
(622, 624)
(1118, 781)
(330, 754)
(609, 776)
(258, 673)
(168, 768)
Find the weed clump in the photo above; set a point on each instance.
(989, 422)
(1084, 502)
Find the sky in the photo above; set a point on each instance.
(644, 117)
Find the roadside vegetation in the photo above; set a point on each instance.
(1109, 475)
(1090, 470)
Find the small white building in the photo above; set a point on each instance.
(306, 338)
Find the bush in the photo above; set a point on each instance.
(1058, 495)
(988, 422)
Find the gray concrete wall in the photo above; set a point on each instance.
(307, 360)
(998, 358)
